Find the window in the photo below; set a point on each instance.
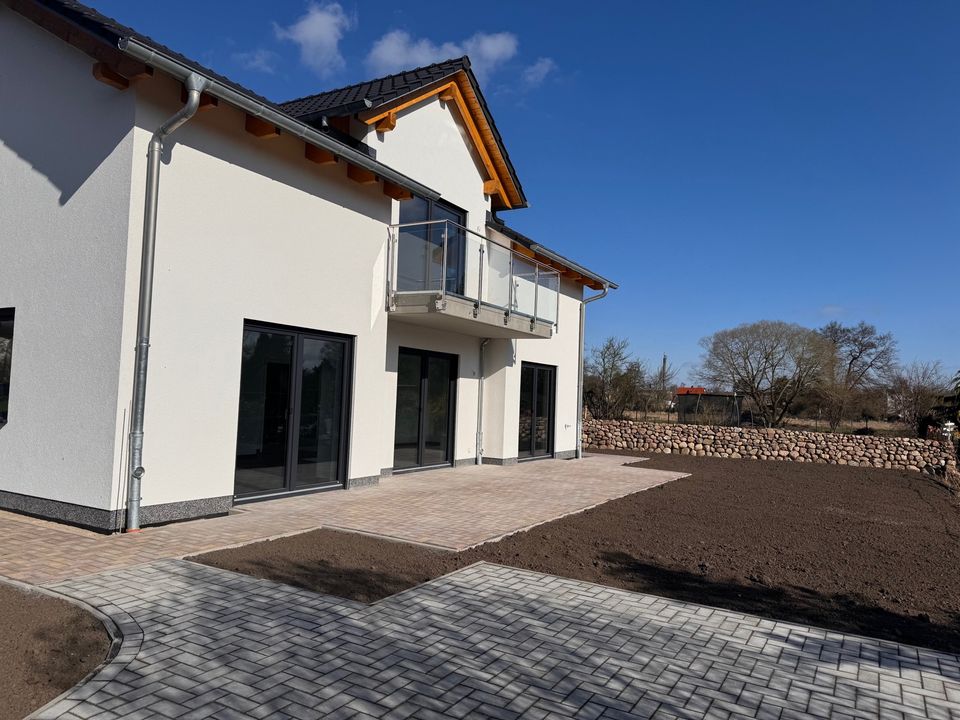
(6, 360)
(421, 246)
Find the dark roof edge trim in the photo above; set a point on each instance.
(151, 56)
(498, 225)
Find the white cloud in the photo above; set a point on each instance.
(261, 60)
(318, 33)
(832, 310)
(398, 51)
(534, 75)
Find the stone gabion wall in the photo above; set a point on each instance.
(930, 456)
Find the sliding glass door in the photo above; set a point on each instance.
(537, 392)
(423, 434)
(291, 432)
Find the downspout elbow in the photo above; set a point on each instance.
(195, 85)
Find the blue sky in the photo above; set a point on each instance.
(723, 161)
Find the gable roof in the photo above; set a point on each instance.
(378, 91)
(550, 257)
(133, 54)
(409, 86)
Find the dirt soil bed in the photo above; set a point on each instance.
(873, 552)
(46, 647)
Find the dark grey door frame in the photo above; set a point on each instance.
(552, 419)
(424, 356)
(294, 408)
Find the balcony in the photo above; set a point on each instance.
(445, 276)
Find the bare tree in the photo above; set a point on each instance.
(659, 388)
(770, 362)
(915, 390)
(859, 358)
(612, 380)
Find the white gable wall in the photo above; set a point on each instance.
(66, 150)
(430, 144)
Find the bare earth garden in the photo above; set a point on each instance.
(47, 646)
(861, 550)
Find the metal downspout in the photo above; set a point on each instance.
(583, 315)
(194, 84)
(483, 344)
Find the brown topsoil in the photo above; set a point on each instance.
(47, 646)
(872, 552)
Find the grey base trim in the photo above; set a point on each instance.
(360, 482)
(487, 460)
(565, 454)
(112, 520)
(386, 472)
(464, 461)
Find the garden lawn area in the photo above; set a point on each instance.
(47, 646)
(858, 550)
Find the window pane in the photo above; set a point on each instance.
(264, 410)
(321, 403)
(6, 360)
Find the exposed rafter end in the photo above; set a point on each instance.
(491, 187)
(207, 102)
(448, 96)
(108, 76)
(361, 175)
(320, 156)
(261, 128)
(395, 191)
(388, 123)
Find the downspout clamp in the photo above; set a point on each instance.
(583, 315)
(194, 84)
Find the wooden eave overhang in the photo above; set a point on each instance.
(456, 89)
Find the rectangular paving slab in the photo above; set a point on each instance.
(452, 508)
(486, 641)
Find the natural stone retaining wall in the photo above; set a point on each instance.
(930, 456)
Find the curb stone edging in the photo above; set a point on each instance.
(126, 637)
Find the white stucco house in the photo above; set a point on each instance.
(326, 287)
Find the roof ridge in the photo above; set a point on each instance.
(465, 58)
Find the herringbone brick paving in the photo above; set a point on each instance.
(486, 641)
(453, 508)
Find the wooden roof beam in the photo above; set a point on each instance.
(108, 76)
(395, 191)
(387, 123)
(258, 127)
(321, 156)
(361, 175)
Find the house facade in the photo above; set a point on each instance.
(332, 293)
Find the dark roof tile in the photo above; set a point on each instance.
(378, 91)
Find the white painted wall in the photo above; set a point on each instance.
(431, 145)
(65, 160)
(467, 350)
(247, 229)
(501, 392)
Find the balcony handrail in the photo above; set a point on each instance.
(537, 269)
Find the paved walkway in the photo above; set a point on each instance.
(451, 509)
(486, 641)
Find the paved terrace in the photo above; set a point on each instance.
(484, 642)
(452, 509)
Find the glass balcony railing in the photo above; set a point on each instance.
(443, 259)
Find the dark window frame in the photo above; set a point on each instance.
(346, 417)
(7, 315)
(461, 259)
(451, 407)
(552, 426)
